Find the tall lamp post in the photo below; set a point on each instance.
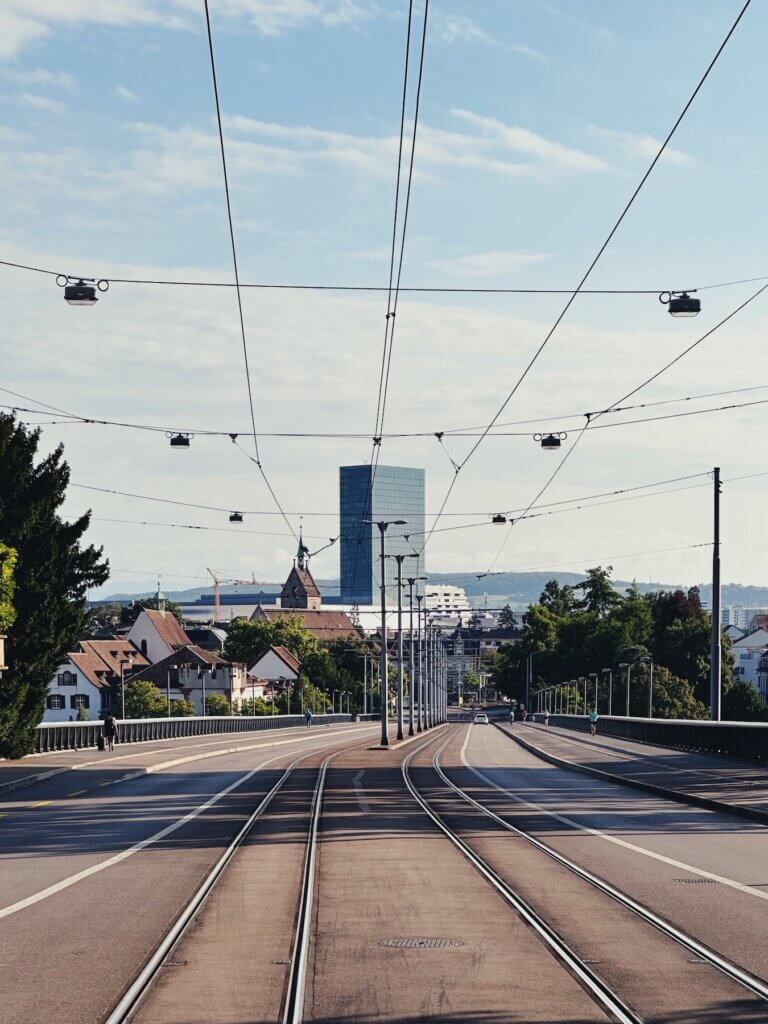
(628, 667)
(650, 685)
(420, 719)
(411, 580)
(610, 690)
(593, 675)
(399, 559)
(384, 681)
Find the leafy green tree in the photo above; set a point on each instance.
(8, 557)
(129, 613)
(82, 714)
(216, 704)
(181, 708)
(507, 618)
(308, 696)
(247, 640)
(256, 706)
(52, 575)
(599, 594)
(741, 703)
(556, 599)
(144, 700)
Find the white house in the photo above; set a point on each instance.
(90, 679)
(747, 653)
(157, 634)
(277, 665)
(190, 671)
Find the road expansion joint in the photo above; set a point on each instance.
(676, 795)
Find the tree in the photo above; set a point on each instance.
(247, 640)
(82, 714)
(129, 613)
(8, 557)
(507, 618)
(599, 594)
(217, 704)
(52, 575)
(144, 700)
(556, 599)
(181, 708)
(741, 703)
(256, 706)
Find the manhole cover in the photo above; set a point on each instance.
(175, 963)
(698, 881)
(420, 943)
(280, 961)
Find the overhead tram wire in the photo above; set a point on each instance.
(588, 425)
(257, 459)
(592, 265)
(374, 288)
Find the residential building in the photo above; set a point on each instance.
(742, 616)
(277, 667)
(747, 653)
(210, 638)
(157, 633)
(466, 646)
(190, 670)
(91, 679)
(376, 492)
(443, 597)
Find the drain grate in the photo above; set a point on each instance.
(697, 881)
(175, 963)
(420, 943)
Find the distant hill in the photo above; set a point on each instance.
(514, 588)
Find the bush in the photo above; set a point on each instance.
(144, 700)
(216, 704)
(182, 708)
(256, 706)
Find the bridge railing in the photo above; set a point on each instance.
(77, 735)
(737, 739)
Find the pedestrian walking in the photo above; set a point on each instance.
(592, 721)
(308, 717)
(109, 730)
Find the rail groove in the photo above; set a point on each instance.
(699, 949)
(603, 995)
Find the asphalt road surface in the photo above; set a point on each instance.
(415, 904)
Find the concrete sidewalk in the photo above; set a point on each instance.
(704, 780)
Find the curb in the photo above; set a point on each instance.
(677, 795)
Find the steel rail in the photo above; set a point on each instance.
(704, 952)
(608, 1000)
(125, 1009)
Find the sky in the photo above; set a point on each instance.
(537, 121)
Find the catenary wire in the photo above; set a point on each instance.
(257, 459)
(595, 260)
(424, 289)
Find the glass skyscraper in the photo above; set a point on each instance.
(379, 492)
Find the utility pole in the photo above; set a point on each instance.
(715, 681)
(400, 682)
(420, 726)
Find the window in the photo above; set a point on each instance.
(68, 678)
(106, 700)
(79, 700)
(144, 648)
(56, 702)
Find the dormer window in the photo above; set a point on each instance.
(67, 678)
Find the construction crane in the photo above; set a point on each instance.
(217, 581)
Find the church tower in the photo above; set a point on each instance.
(300, 589)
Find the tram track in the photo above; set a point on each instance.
(602, 994)
(130, 1003)
(746, 980)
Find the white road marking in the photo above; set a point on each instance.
(357, 782)
(586, 830)
(79, 876)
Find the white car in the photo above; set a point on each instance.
(480, 719)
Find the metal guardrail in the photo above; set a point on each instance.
(736, 739)
(78, 735)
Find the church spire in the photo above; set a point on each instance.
(302, 556)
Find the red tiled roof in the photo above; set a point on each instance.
(289, 659)
(168, 628)
(113, 651)
(92, 667)
(325, 625)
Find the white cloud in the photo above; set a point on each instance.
(275, 17)
(40, 77)
(126, 94)
(634, 146)
(453, 28)
(42, 103)
(552, 154)
(486, 265)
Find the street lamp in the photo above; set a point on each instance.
(550, 442)
(610, 690)
(628, 667)
(399, 559)
(420, 719)
(680, 303)
(81, 291)
(170, 668)
(498, 519)
(593, 675)
(179, 440)
(649, 660)
(236, 517)
(384, 683)
(410, 580)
